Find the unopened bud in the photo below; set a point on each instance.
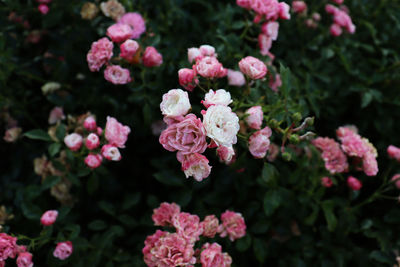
(297, 116)
(294, 139)
(286, 156)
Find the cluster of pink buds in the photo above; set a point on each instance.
(99, 144)
(394, 153)
(300, 8)
(10, 250)
(352, 182)
(341, 19)
(44, 6)
(128, 27)
(178, 249)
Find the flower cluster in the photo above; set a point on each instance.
(128, 26)
(98, 143)
(300, 8)
(178, 248)
(10, 249)
(341, 20)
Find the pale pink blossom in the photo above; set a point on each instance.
(187, 136)
(188, 79)
(195, 165)
(99, 131)
(236, 78)
(212, 256)
(92, 141)
(352, 143)
(271, 29)
(326, 182)
(187, 226)
(8, 247)
(49, 217)
(56, 115)
(244, 3)
(136, 22)
(73, 141)
(316, 16)
(284, 10)
(175, 103)
(354, 183)
(219, 97)
(270, 9)
(299, 6)
(93, 161)
(233, 225)
(128, 50)
(275, 82)
(11, 135)
(111, 152)
(207, 50)
(259, 142)
(221, 124)
(253, 68)
(394, 152)
(116, 133)
(210, 226)
(24, 259)
(117, 75)
(254, 117)
(334, 158)
(44, 9)
(330, 9)
(396, 180)
(119, 32)
(164, 249)
(226, 154)
(90, 124)
(194, 54)
(209, 67)
(99, 54)
(162, 216)
(151, 57)
(273, 152)
(63, 250)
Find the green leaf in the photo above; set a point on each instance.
(92, 184)
(54, 149)
(269, 173)
(244, 243)
(131, 200)
(168, 178)
(381, 257)
(38, 134)
(327, 207)
(97, 225)
(60, 132)
(107, 207)
(272, 201)
(260, 249)
(50, 181)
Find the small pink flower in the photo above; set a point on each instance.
(119, 32)
(354, 183)
(233, 225)
(299, 6)
(24, 260)
(259, 143)
(209, 67)
(136, 22)
(226, 154)
(212, 256)
(270, 29)
(264, 43)
(99, 54)
(253, 68)
(330, 9)
(194, 54)
(63, 250)
(339, 2)
(93, 161)
(90, 124)
(196, 165)
(187, 226)
(254, 117)
(219, 97)
(207, 50)
(326, 182)
(117, 75)
(73, 141)
(236, 78)
(396, 180)
(284, 10)
(92, 141)
(49, 217)
(162, 216)
(151, 57)
(334, 158)
(56, 115)
(188, 79)
(8, 247)
(44, 9)
(12, 134)
(128, 50)
(275, 82)
(210, 226)
(111, 152)
(244, 3)
(394, 152)
(99, 131)
(316, 16)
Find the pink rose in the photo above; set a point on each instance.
(275, 82)
(264, 43)
(99, 54)
(117, 75)
(188, 136)
(212, 256)
(44, 9)
(396, 180)
(394, 152)
(90, 124)
(236, 78)
(207, 50)
(111, 152)
(119, 32)
(188, 79)
(326, 182)
(187, 226)
(63, 250)
(194, 54)
(299, 6)
(233, 225)
(73, 141)
(163, 215)
(12, 134)
(330, 9)
(339, 2)
(210, 226)
(49, 217)
(244, 3)
(195, 165)
(8, 247)
(136, 22)
(226, 154)
(209, 67)
(56, 115)
(354, 183)
(116, 133)
(219, 97)
(129, 49)
(284, 10)
(24, 259)
(334, 158)
(259, 143)
(254, 117)
(151, 58)
(271, 29)
(93, 161)
(253, 68)
(92, 141)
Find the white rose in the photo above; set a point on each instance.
(175, 103)
(221, 125)
(219, 97)
(207, 50)
(193, 53)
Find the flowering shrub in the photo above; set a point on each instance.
(266, 96)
